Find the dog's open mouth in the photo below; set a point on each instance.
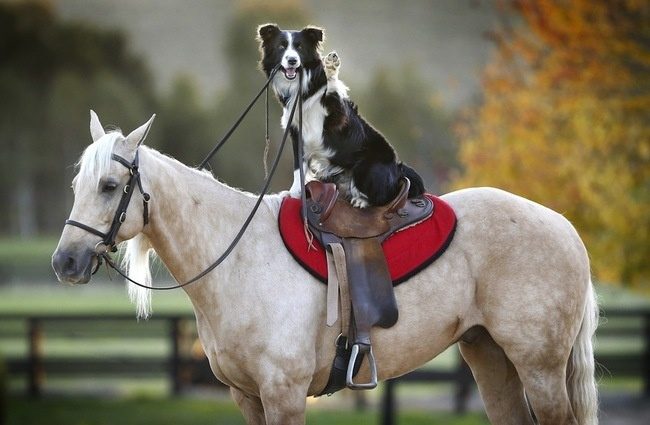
(290, 73)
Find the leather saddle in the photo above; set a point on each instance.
(353, 238)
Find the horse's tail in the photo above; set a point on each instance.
(581, 382)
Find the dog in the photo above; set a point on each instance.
(339, 145)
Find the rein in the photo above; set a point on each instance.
(108, 239)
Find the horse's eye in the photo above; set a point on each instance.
(109, 187)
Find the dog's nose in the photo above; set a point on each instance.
(292, 61)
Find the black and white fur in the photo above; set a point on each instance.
(339, 145)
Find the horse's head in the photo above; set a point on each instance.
(105, 177)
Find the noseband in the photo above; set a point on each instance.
(108, 238)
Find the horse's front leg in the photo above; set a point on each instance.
(284, 402)
(250, 407)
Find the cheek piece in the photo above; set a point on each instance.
(107, 244)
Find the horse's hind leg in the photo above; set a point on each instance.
(498, 382)
(547, 393)
(250, 407)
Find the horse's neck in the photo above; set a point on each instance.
(193, 216)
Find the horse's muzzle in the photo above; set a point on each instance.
(73, 267)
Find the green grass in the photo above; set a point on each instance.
(26, 259)
(144, 411)
(99, 297)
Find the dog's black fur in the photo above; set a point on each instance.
(349, 151)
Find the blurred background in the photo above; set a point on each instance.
(547, 99)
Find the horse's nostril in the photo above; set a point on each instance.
(69, 264)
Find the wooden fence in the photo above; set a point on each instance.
(184, 369)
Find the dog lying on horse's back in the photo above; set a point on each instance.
(339, 145)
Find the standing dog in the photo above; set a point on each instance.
(339, 145)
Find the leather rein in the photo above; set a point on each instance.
(108, 244)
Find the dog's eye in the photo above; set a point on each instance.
(283, 45)
(298, 45)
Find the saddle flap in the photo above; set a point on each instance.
(373, 299)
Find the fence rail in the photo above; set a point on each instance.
(183, 369)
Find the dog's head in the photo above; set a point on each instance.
(290, 49)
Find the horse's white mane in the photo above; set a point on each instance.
(93, 164)
(96, 159)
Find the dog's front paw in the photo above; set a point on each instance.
(332, 63)
(359, 202)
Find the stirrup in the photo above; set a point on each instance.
(363, 349)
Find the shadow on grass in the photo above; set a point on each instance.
(90, 411)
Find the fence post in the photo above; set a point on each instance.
(175, 359)
(646, 354)
(388, 403)
(36, 372)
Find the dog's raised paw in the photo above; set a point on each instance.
(332, 63)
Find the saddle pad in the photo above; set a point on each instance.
(407, 251)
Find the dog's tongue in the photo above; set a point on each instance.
(290, 72)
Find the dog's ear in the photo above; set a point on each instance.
(266, 32)
(313, 33)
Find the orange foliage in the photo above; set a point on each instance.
(565, 121)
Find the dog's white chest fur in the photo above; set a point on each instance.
(317, 157)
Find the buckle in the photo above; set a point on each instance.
(356, 350)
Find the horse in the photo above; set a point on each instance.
(513, 290)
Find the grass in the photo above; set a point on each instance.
(141, 411)
(100, 297)
(26, 259)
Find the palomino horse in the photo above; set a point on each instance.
(513, 290)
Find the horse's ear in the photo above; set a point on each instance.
(137, 136)
(96, 129)
(266, 32)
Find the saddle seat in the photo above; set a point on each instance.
(353, 238)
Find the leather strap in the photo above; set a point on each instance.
(332, 291)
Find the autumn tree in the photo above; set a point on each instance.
(565, 121)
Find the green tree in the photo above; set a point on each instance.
(240, 162)
(401, 106)
(51, 74)
(184, 127)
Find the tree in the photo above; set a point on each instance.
(51, 74)
(240, 162)
(565, 120)
(401, 106)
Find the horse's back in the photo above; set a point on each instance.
(501, 219)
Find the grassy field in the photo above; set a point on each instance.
(83, 411)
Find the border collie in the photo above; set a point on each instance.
(339, 145)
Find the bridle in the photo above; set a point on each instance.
(108, 245)
(108, 238)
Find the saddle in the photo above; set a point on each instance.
(358, 274)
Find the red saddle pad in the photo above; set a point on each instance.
(407, 251)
